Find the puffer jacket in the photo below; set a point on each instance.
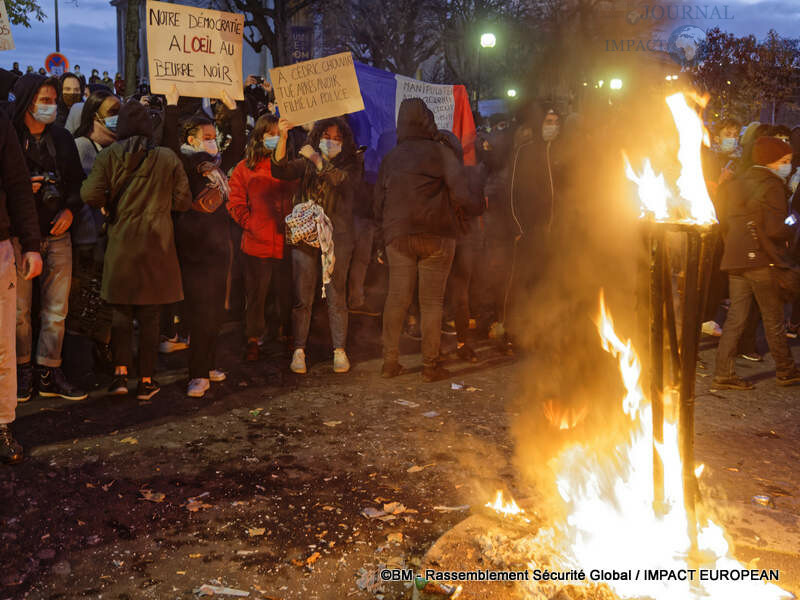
(756, 208)
(421, 184)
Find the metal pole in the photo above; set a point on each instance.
(690, 334)
(58, 39)
(478, 87)
(656, 239)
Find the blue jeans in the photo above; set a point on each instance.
(54, 284)
(306, 269)
(427, 257)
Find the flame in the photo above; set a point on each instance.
(504, 508)
(691, 204)
(610, 521)
(564, 418)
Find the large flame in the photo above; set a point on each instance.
(611, 523)
(691, 204)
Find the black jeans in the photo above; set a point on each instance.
(257, 276)
(122, 316)
(204, 288)
(458, 285)
(427, 257)
(761, 284)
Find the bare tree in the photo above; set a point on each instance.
(21, 11)
(268, 26)
(397, 35)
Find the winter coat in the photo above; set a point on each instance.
(66, 162)
(421, 183)
(259, 203)
(17, 208)
(141, 264)
(756, 207)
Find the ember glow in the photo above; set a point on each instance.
(611, 523)
(690, 202)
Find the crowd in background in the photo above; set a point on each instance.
(131, 222)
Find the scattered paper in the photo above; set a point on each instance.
(451, 508)
(394, 537)
(256, 531)
(152, 496)
(211, 590)
(430, 414)
(129, 440)
(407, 403)
(332, 423)
(417, 468)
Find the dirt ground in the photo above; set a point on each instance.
(261, 486)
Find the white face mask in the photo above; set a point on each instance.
(330, 148)
(549, 132)
(783, 171)
(210, 146)
(727, 145)
(45, 113)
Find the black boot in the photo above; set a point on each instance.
(53, 384)
(10, 450)
(24, 382)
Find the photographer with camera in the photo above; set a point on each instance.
(56, 176)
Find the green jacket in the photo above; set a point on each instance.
(141, 264)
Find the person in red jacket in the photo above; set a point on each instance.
(259, 203)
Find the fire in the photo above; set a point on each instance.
(611, 524)
(564, 418)
(691, 203)
(505, 508)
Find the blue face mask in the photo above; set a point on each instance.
(111, 122)
(330, 148)
(727, 145)
(45, 113)
(271, 141)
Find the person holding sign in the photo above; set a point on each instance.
(329, 172)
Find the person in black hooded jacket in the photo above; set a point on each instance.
(420, 189)
(56, 176)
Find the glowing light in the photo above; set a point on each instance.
(615, 84)
(509, 508)
(512, 93)
(488, 40)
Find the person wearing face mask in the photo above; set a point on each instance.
(70, 93)
(95, 78)
(89, 315)
(56, 176)
(756, 239)
(139, 186)
(259, 202)
(329, 170)
(77, 71)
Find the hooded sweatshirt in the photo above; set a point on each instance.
(17, 209)
(421, 183)
(65, 164)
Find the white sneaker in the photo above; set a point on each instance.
(198, 387)
(216, 375)
(341, 364)
(712, 328)
(298, 362)
(173, 344)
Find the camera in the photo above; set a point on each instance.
(49, 193)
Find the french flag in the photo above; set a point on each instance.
(376, 126)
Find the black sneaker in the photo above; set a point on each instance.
(10, 450)
(449, 328)
(24, 382)
(53, 384)
(147, 390)
(466, 353)
(752, 357)
(119, 386)
(731, 383)
(791, 378)
(436, 373)
(391, 369)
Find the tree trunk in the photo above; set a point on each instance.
(132, 52)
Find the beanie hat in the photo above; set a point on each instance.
(767, 150)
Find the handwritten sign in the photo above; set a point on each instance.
(317, 89)
(439, 99)
(6, 41)
(198, 50)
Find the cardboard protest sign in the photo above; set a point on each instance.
(198, 50)
(438, 98)
(6, 41)
(317, 89)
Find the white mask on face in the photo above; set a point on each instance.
(549, 132)
(45, 113)
(783, 171)
(210, 146)
(727, 145)
(330, 148)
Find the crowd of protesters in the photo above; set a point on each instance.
(126, 222)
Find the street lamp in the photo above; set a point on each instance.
(512, 93)
(488, 40)
(615, 84)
